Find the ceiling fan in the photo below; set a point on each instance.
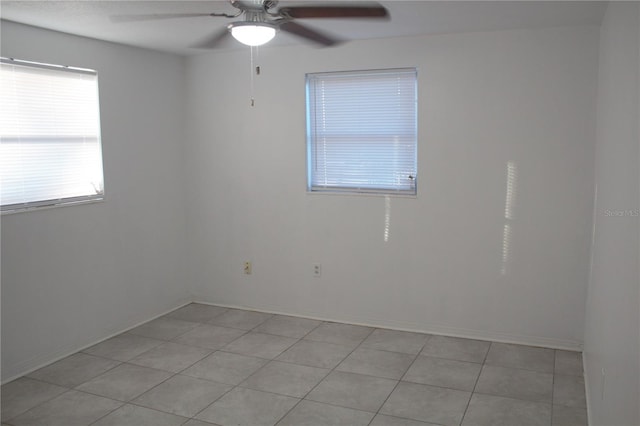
(260, 20)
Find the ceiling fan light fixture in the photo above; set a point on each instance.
(252, 33)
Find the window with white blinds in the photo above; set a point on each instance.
(50, 150)
(362, 131)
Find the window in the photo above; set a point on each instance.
(362, 131)
(50, 151)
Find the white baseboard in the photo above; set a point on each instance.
(437, 329)
(587, 389)
(36, 362)
(33, 363)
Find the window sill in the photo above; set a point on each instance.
(52, 206)
(363, 194)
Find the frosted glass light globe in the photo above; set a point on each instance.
(252, 33)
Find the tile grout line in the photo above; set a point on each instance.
(233, 387)
(41, 403)
(473, 391)
(122, 404)
(173, 374)
(400, 380)
(238, 385)
(140, 406)
(327, 375)
(194, 417)
(119, 363)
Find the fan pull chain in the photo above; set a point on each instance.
(257, 72)
(251, 84)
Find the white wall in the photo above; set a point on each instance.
(612, 343)
(74, 275)
(486, 99)
(71, 276)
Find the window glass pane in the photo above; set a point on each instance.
(50, 150)
(362, 131)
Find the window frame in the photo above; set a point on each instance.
(311, 143)
(39, 204)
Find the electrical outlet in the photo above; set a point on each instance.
(317, 270)
(247, 268)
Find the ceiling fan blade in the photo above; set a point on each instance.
(154, 16)
(368, 10)
(309, 34)
(213, 40)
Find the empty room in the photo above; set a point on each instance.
(259, 212)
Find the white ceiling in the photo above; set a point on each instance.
(91, 18)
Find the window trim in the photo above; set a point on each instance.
(310, 144)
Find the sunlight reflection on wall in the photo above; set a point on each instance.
(509, 215)
(387, 217)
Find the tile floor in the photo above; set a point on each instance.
(206, 365)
